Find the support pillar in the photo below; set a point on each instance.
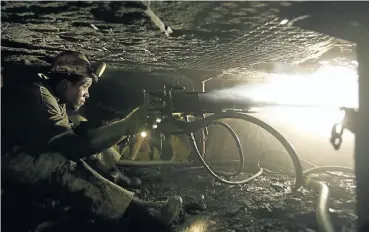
(205, 131)
(362, 137)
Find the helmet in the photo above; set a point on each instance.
(75, 64)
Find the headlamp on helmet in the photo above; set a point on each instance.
(74, 64)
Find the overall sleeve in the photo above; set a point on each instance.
(52, 120)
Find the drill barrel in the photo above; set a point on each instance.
(201, 102)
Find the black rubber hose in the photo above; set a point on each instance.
(317, 168)
(133, 163)
(193, 168)
(162, 163)
(299, 178)
(322, 169)
(322, 211)
(238, 145)
(220, 179)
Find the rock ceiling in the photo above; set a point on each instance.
(201, 39)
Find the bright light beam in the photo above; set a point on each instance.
(325, 91)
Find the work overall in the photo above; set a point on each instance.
(31, 125)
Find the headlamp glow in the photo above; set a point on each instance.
(143, 134)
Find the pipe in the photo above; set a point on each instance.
(322, 213)
(217, 176)
(133, 163)
(322, 169)
(173, 163)
(129, 163)
(205, 131)
(238, 144)
(193, 126)
(299, 178)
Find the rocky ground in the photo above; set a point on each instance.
(264, 204)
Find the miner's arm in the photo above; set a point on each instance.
(75, 146)
(63, 139)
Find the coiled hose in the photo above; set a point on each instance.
(238, 145)
(301, 178)
(322, 210)
(173, 163)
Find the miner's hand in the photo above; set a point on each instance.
(141, 118)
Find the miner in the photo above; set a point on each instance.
(43, 155)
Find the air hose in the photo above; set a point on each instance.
(301, 178)
(179, 163)
(174, 163)
(220, 179)
(322, 169)
(238, 145)
(322, 211)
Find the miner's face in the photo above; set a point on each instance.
(76, 93)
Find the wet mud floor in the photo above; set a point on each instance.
(264, 204)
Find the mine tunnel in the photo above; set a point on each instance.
(255, 116)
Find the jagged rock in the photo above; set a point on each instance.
(220, 38)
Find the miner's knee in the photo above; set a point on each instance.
(51, 163)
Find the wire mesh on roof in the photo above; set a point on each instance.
(271, 42)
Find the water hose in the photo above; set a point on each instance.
(215, 175)
(322, 169)
(322, 211)
(299, 179)
(179, 163)
(238, 145)
(322, 214)
(133, 163)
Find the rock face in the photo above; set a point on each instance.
(207, 39)
(192, 41)
(185, 43)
